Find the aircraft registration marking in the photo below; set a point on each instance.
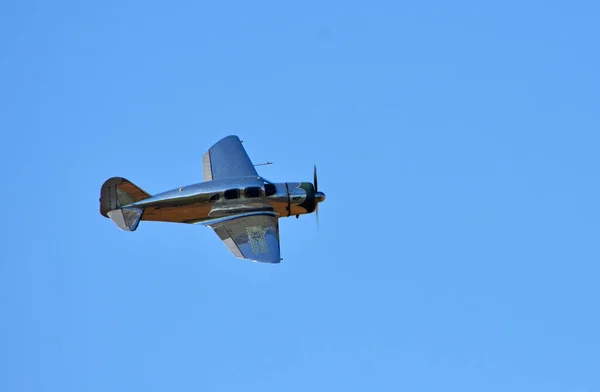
(256, 238)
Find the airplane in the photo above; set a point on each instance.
(242, 207)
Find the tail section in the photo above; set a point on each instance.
(115, 195)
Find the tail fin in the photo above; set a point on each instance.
(115, 195)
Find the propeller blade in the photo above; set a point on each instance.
(316, 190)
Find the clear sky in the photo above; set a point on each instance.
(457, 143)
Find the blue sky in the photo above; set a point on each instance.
(457, 143)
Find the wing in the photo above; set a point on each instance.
(252, 236)
(227, 159)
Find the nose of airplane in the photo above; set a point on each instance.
(320, 197)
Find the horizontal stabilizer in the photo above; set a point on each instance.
(126, 218)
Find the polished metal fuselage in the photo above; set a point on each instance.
(207, 200)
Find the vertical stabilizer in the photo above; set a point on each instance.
(115, 195)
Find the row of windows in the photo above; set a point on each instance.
(249, 192)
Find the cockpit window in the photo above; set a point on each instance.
(214, 197)
(232, 194)
(252, 191)
(270, 189)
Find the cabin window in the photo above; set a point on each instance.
(252, 191)
(214, 197)
(232, 194)
(270, 189)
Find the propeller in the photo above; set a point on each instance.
(319, 196)
(316, 190)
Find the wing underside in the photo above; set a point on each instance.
(253, 236)
(227, 159)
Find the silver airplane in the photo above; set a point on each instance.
(242, 207)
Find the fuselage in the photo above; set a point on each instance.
(215, 199)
